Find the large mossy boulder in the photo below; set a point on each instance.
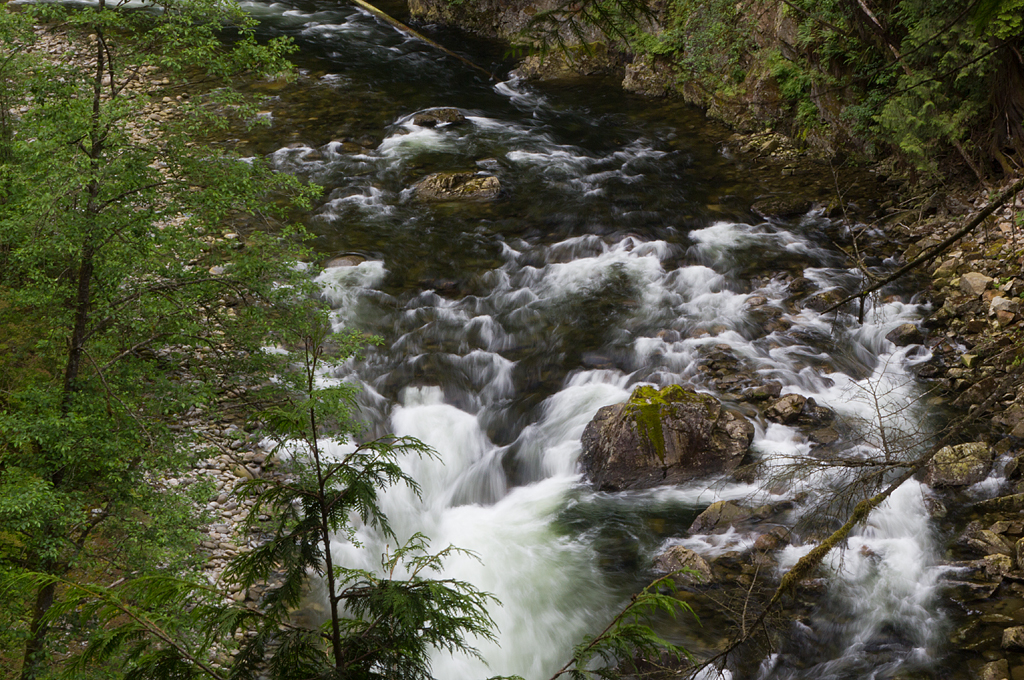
(458, 186)
(662, 437)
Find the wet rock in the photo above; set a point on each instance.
(781, 206)
(960, 465)
(795, 409)
(905, 334)
(438, 117)
(346, 260)
(662, 437)
(819, 302)
(800, 284)
(678, 557)
(1013, 639)
(719, 517)
(762, 392)
(824, 435)
(773, 540)
(974, 283)
(984, 541)
(456, 186)
(995, 670)
(786, 409)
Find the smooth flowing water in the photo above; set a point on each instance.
(621, 252)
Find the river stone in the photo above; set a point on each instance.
(782, 206)
(791, 409)
(662, 437)
(905, 334)
(347, 260)
(960, 465)
(1003, 304)
(762, 392)
(1013, 638)
(676, 558)
(785, 409)
(974, 283)
(455, 186)
(440, 116)
(995, 670)
(719, 517)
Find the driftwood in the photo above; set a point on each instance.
(388, 19)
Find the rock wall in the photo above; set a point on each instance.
(753, 104)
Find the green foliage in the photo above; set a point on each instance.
(927, 81)
(379, 626)
(118, 327)
(629, 644)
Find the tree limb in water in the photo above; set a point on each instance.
(387, 18)
(806, 565)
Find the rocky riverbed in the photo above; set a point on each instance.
(972, 348)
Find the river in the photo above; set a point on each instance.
(621, 252)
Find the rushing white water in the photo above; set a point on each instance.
(508, 326)
(550, 581)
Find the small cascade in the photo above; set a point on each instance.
(607, 262)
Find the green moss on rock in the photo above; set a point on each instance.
(647, 408)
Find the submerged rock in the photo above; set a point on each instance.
(662, 437)
(454, 186)
(781, 206)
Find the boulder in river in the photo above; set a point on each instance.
(438, 117)
(720, 516)
(1013, 638)
(662, 437)
(960, 465)
(458, 186)
(346, 260)
(676, 558)
(796, 409)
(905, 334)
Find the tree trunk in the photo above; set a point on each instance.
(34, 647)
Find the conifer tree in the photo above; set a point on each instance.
(379, 624)
(119, 318)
